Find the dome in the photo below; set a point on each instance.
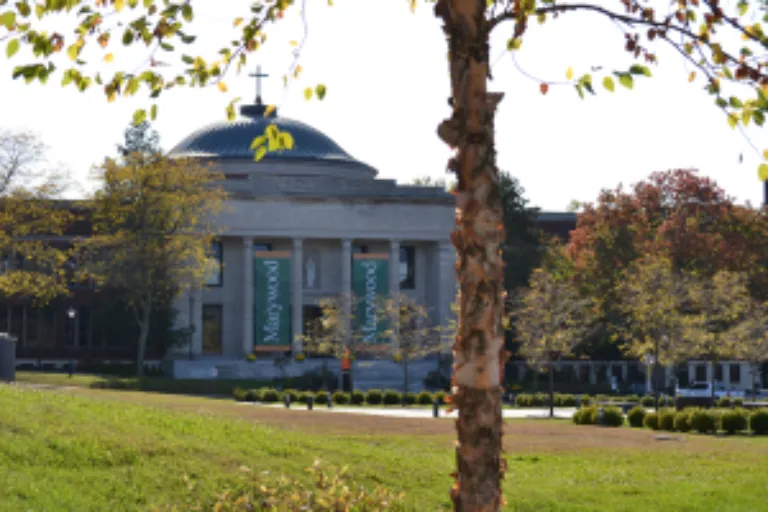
(232, 140)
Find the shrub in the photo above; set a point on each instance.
(302, 397)
(724, 402)
(410, 398)
(441, 397)
(269, 395)
(390, 397)
(636, 416)
(567, 401)
(666, 401)
(734, 421)
(667, 420)
(584, 415)
(633, 399)
(683, 421)
(602, 398)
(651, 421)
(357, 398)
(758, 422)
(647, 401)
(586, 400)
(425, 398)
(702, 421)
(340, 397)
(253, 395)
(612, 417)
(239, 394)
(524, 400)
(540, 400)
(321, 397)
(738, 402)
(373, 397)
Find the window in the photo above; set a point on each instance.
(17, 323)
(701, 373)
(735, 373)
(407, 267)
(359, 249)
(262, 247)
(216, 277)
(212, 324)
(718, 373)
(83, 323)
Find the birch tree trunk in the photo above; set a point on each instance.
(479, 346)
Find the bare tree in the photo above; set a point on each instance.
(20, 155)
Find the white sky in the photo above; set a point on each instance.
(387, 79)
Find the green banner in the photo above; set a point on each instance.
(272, 300)
(370, 283)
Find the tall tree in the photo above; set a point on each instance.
(153, 224)
(718, 304)
(750, 339)
(654, 297)
(702, 33)
(550, 319)
(140, 138)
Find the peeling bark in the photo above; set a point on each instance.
(479, 347)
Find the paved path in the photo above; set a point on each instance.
(419, 412)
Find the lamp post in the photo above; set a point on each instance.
(650, 362)
(71, 314)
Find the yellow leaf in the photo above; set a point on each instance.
(119, 4)
(109, 57)
(308, 93)
(692, 76)
(222, 86)
(237, 22)
(268, 111)
(569, 74)
(765, 154)
(112, 97)
(294, 43)
(762, 172)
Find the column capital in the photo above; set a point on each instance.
(346, 243)
(394, 243)
(445, 245)
(297, 243)
(247, 242)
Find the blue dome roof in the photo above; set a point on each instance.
(232, 140)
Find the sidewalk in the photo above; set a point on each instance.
(422, 412)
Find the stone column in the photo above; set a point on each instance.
(197, 321)
(394, 287)
(346, 280)
(297, 296)
(625, 372)
(592, 373)
(247, 295)
(446, 282)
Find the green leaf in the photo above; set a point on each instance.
(12, 48)
(308, 93)
(186, 12)
(743, 8)
(8, 19)
(608, 83)
(762, 172)
(139, 116)
(733, 120)
(73, 51)
(758, 117)
(320, 91)
(514, 44)
(626, 80)
(39, 11)
(637, 69)
(153, 112)
(260, 153)
(735, 102)
(579, 90)
(258, 141)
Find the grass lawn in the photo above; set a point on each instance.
(85, 449)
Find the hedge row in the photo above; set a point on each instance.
(564, 400)
(693, 419)
(370, 397)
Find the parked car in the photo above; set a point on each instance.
(704, 390)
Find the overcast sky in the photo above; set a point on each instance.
(386, 73)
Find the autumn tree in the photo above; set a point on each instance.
(750, 338)
(550, 319)
(654, 298)
(153, 224)
(723, 44)
(718, 305)
(140, 138)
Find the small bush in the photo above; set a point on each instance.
(584, 416)
(633, 399)
(253, 395)
(738, 402)
(651, 421)
(293, 393)
(683, 421)
(373, 397)
(410, 398)
(390, 397)
(567, 401)
(357, 398)
(612, 417)
(666, 401)
(734, 421)
(321, 397)
(239, 394)
(524, 400)
(302, 396)
(425, 398)
(667, 420)
(540, 400)
(636, 416)
(758, 422)
(586, 400)
(341, 398)
(441, 397)
(269, 395)
(647, 401)
(702, 421)
(724, 402)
